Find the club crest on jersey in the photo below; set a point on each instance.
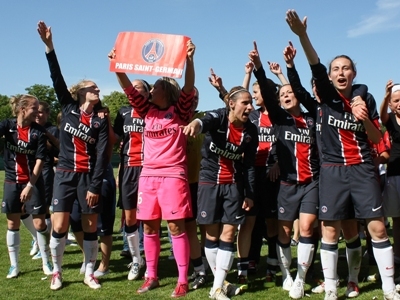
(203, 214)
(34, 136)
(324, 209)
(152, 50)
(310, 122)
(281, 210)
(247, 139)
(96, 124)
(168, 115)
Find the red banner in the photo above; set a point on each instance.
(150, 54)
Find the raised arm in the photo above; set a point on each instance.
(216, 82)
(248, 68)
(189, 72)
(385, 103)
(275, 69)
(60, 87)
(300, 29)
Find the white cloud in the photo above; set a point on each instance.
(382, 19)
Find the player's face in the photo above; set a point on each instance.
(30, 111)
(342, 74)
(158, 94)
(90, 92)
(394, 103)
(139, 86)
(257, 95)
(287, 98)
(42, 116)
(242, 107)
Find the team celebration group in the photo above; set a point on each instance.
(236, 173)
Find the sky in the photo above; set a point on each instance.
(222, 30)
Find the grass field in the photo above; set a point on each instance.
(32, 284)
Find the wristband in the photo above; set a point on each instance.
(29, 184)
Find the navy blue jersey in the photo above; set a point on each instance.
(83, 137)
(22, 147)
(344, 140)
(228, 152)
(296, 146)
(130, 126)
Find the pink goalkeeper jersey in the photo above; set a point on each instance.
(164, 141)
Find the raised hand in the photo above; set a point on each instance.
(254, 56)
(111, 54)
(248, 67)
(190, 49)
(289, 53)
(45, 34)
(296, 25)
(275, 68)
(388, 89)
(215, 80)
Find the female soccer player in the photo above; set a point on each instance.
(129, 126)
(24, 155)
(299, 168)
(82, 162)
(163, 188)
(347, 170)
(226, 186)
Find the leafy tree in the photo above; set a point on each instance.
(5, 108)
(47, 94)
(114, 102)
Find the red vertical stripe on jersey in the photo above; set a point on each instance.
(135, 146)
(21, 160)
(81, 152)
(226, 172)
(351, 150)
(263, 148)
(302, 154)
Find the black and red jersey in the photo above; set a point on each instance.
(130, 126)
(22, 147)
(296, 146)
(266, 137)
(83, 137)
(344, 140)
(228, 152)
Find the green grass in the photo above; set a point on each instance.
(31, 285)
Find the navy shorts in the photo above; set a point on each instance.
(12, 204)
(266, 195)
(347, 191)
(220, 203)
(71, 186)
(128, 186)
(297, 198)
(48, 178)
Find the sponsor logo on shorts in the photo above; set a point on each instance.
(337, 101)
(174, 212)
(220, 131)
(203, 214)
(281, 210)
(324, 209)
(152, 50)
(273, 211)
(55, 201)
(37, 207)
(378, 208)
(239, 217)
(3, 204)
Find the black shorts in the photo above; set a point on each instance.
(105, 220)
(297, 198)
(69, 186)
(48, 178)
(349, 191)
(266, 195)
(193, 196)
(220, 203)
(12, 204)
(128, 186)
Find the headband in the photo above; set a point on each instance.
(395, 88)
(238, 91)
(145, 84)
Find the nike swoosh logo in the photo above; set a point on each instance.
(37, 207)
(289, 118)
(95, 206)
(125, 113)
(75, 113)
(13, 130)
(273, 211)
(375, 209)
(239, 217)
(174, 212)
(103, 230)
(220, 131)
(337, 101)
